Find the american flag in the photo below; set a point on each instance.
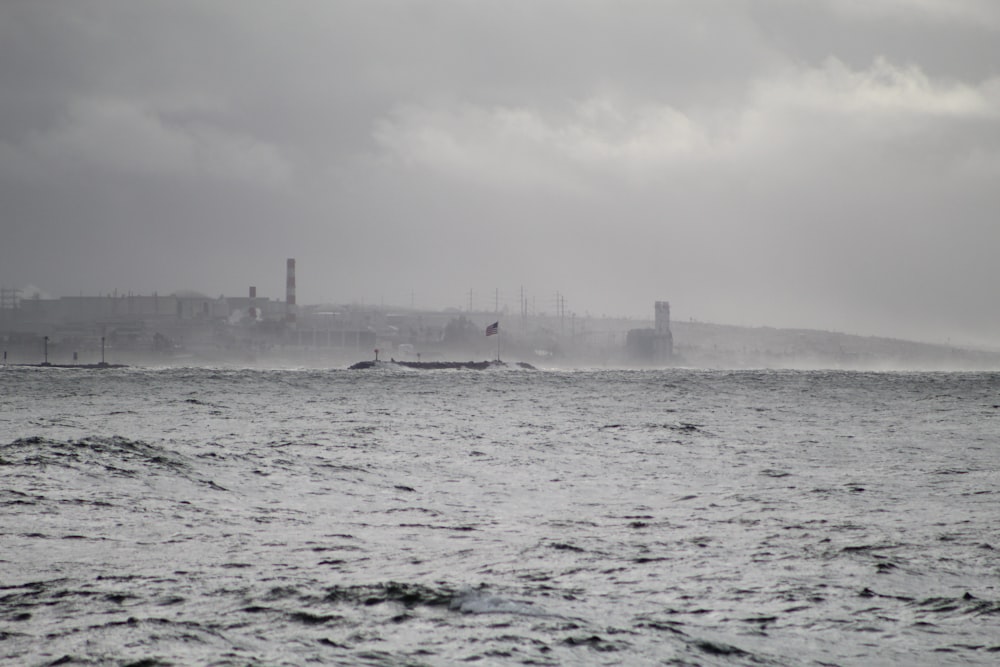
(493, 329)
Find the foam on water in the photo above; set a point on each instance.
(473, 601)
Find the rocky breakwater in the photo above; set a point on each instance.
(440, 365)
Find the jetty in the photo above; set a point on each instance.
(439, 365)
(98, 366)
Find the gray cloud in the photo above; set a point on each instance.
(823, 164)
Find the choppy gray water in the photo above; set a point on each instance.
(389, 517)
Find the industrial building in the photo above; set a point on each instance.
(194, 328)
(652, 346)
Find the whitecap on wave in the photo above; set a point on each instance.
(473, 601)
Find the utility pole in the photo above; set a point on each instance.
(524, 311)
(9, 298)
(561, 312)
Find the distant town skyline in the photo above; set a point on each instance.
(828, 165)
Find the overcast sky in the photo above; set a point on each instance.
(808, 163)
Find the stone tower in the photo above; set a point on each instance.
(663, 339)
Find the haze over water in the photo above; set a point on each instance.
(823, 166)
(391, 517)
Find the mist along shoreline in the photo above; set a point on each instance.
(142, 339)
(440, 365)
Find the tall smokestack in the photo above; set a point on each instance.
(290, 291)
(662, 318)
(663, 341)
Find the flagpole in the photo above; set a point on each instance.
(494, 330)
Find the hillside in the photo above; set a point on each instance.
(719, 345)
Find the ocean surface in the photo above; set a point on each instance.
(502, 517)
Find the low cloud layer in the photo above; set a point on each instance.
(828, 164)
